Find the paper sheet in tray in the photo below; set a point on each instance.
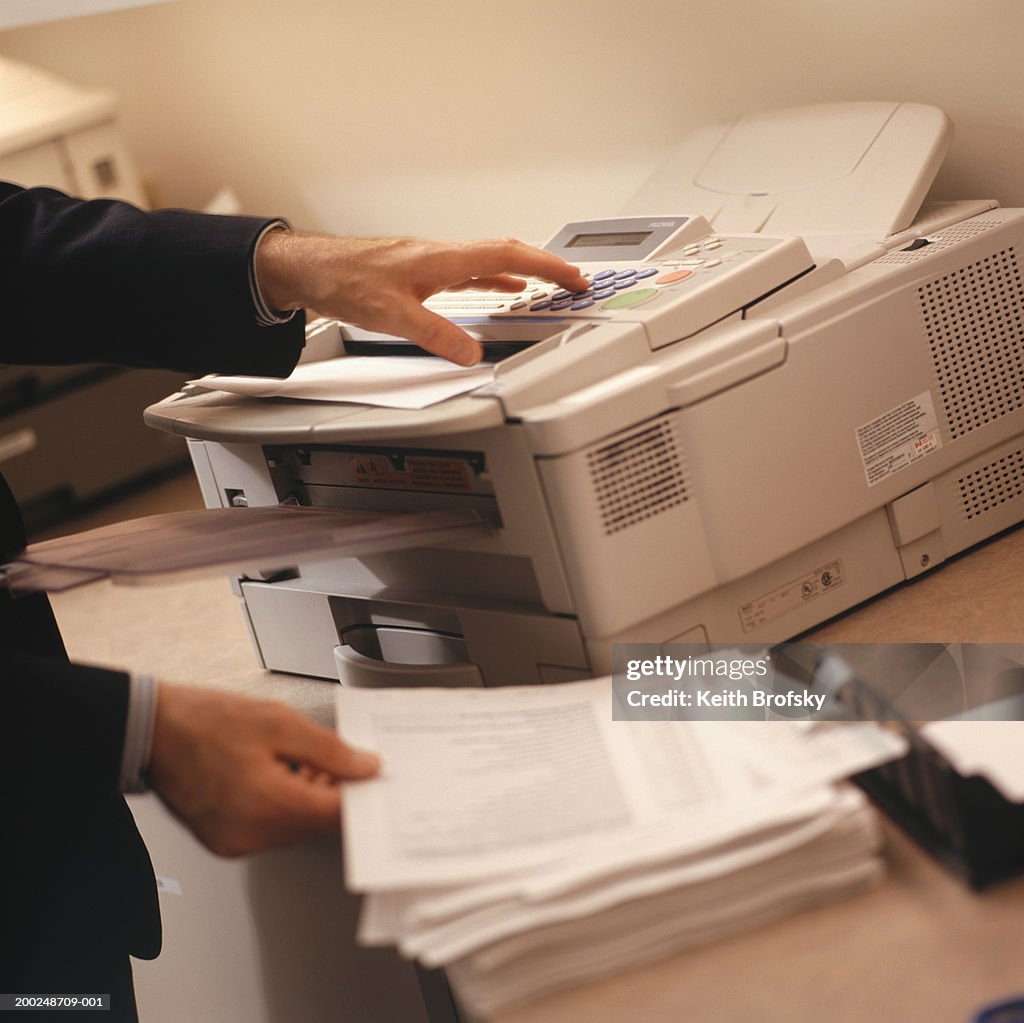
(217, 540)
(410, 382)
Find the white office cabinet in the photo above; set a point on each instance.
(101, 165)
(53, 133)
(265, 939)
(79, 429)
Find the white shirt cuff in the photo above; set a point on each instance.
(265, 316)
(138, 733)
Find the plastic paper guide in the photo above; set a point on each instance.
(218, 540)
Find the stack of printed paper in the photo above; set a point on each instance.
(526, 842)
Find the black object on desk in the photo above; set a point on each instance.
(1002, 1012)
(964, 821)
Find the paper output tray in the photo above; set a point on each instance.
(216, 541)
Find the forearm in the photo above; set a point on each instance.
(381, 283)
(102, 281)
(242, 774)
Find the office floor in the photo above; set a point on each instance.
(178, 492)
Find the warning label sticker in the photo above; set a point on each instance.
(414, 472)
(898, 438)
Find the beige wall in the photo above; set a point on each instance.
(471, 117)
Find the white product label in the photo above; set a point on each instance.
(792, 595)
(168, 885)
(898, 438)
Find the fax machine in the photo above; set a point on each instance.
(762, 413)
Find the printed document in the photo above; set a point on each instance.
(477, 783)
(525, 840)
(410, 381)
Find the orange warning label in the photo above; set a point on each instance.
(416, 472)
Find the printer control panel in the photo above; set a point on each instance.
(602, 249)
(675, 288)
(609, 284)
(629, 285)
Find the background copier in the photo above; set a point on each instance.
(789, 389)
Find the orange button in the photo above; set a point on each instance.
(674, 277)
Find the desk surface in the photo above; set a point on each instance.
(917, 948)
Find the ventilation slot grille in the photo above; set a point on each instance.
(974, 320)
(992, 485)
(639, 474)
(941, 240)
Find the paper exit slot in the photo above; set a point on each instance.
(393, 468)
(500, 337)
(213, 541)
(494, 351)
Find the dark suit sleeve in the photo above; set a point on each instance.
(97, 281)
(102, 281)
(77, 889)
(66, 723)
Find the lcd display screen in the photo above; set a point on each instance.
(623, 238)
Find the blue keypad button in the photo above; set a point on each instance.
(584, 303)
(649, 271)
(603, 275)
(603, 293)
(561, 304)
(560, 296)
(623, 274)
(538, 306)
(627, 283)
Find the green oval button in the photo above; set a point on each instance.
(628, 299)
